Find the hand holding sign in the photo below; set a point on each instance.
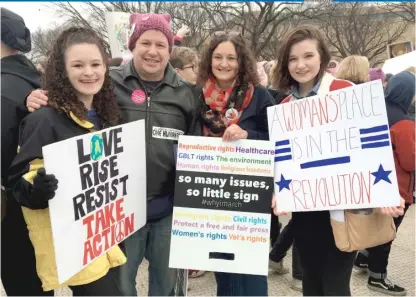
(43, 189)
(393, 211)
(275, 210)
(234, 132)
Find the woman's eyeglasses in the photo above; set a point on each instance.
(229, 33)
(193, 67)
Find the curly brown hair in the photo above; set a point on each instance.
(61, 93)
(247, 67)
(283, 81)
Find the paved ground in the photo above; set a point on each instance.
(401, 270)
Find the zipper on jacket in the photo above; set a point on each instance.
(147, 123)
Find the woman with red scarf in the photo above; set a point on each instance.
(234, 106)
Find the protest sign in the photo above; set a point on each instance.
(222, 206)
(333, 151)
(101, 198)
(118, 29)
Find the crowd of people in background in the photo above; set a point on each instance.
(78, 89)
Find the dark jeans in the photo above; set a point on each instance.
(378, 256)
(282, 245)
(331, 277)
(233, 284)
(274, 229)
(105, 286)
(153, 243)
(18, 262)
(326, 270)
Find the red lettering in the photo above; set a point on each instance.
(314, 113)
(119, 209)
(310, 190)
(286, 119)
(323, 186)
(323, 110)
(104, 234)
(367, 186)
(336, 108)
(88, 252)
(109, 214)
(88, 221)
(300, 122)
(129, 222)
(96, 241)
(100, 221)
(295, 197)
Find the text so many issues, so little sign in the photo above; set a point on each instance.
(101, 198)
(333, 151)
(221, 215)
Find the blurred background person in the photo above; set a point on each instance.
(185, 61)
(354, 69)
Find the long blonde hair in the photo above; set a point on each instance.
(355, 69)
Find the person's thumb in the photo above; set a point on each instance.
(41, 172)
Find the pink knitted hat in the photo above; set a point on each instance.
(376, 73)
(150, 21)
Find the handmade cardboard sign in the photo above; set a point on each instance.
(221, 216)
(101, 198)
(334, 151)
(118, 30)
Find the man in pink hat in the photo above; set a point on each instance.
(149, 88)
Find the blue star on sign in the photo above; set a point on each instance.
(381, 174)
(283, 183)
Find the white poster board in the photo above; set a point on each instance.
(118, 29)
(101, 196)
(400, 63)
(222, 206)
(334, 151)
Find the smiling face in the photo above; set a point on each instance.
(224, 63)
(304, 62)
(85, 69)
(151, 55)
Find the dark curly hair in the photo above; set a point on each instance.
(247, 67)
(61, 93)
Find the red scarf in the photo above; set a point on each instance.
(224, 108)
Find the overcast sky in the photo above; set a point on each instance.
(35, 14)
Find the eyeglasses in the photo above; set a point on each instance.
(230, 33)
(194, 68)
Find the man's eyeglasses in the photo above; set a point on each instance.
(229, 33)
(193, 67)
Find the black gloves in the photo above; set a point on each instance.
(43, 189)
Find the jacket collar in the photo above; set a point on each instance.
(170, 77)
(79, 122)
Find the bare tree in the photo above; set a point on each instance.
(42, 42)
(359, 29)
(262, 24)
(403, 10)
(92, 14)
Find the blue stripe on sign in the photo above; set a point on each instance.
(282, 158)
(326, 162)
(375, 137)
(375, 144)
(374, 129)
(282, 142)
(283, 150)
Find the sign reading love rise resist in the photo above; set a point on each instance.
(221, 215)
(334, 151)
(101, 196)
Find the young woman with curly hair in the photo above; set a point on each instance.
(81, 100)
(233, 107)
